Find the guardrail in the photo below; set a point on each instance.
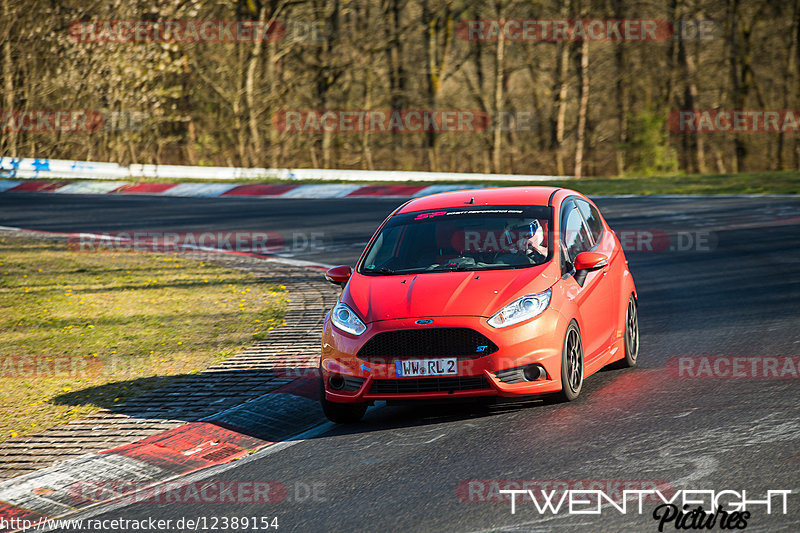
(13, 168)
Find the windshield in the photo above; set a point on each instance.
(447, 240)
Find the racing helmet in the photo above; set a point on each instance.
(525, 236)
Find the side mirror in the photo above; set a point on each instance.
(590, 261)
(339, 275)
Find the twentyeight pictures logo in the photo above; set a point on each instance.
(683, 509)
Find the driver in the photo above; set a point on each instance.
(528, 237)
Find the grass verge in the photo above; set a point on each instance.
(113, 324)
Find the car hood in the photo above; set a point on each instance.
(444, 293)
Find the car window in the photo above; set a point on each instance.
(565, 266)
(469, 238)
(592, 218)
(574, 233)
(382, 254)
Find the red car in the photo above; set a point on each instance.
(493, 292)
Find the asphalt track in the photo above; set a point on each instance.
(737, 293)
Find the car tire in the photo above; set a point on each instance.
(341, 413)
(631, 335)
(571, 364)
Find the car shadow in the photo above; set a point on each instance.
(184, 397)
(602, 392)
(277, 403)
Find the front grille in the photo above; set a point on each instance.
(413, 385)
(352, 383)
(511, 375)
(427, 342)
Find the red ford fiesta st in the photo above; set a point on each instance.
(492, 292)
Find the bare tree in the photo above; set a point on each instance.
(583, 105)
(560, 90)
(214, 102)
(9, 144)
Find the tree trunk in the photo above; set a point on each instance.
(327, 140)
(790, 79)
(433, 80)
(250, 95)
(366, 162)
(795, 139)
(397, 73)
(583, 107)
(10, 140)
(499, 80)
(739, 31)
(698, 145)
(187, 110)
(436, 62)
(622, 93)
(693, 156)
(562, 71)
(666, 99)
(272, 75)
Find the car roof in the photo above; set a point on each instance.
(494, 196)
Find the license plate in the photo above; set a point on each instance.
(426, 367)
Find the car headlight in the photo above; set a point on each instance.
(346, 319)
(521, 309)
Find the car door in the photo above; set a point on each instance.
(595, 295)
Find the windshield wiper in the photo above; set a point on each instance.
(383, 270)
(458, 268)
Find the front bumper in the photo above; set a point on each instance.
(537, 341)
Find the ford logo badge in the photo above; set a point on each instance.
(424, 321)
